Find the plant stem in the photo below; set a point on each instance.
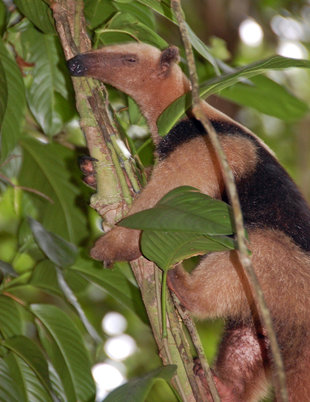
(109, 201)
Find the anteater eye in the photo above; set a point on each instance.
(129, 59)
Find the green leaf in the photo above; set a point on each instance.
(169, 248)
(54, 179)
(38, 13)
(267, 97)
(7, 269)
(174, 112)
(98, 11)
(3, 93)
(27, 350)
(127, 26)
(136, 390)
(47, 86)
(184, 209)
(10, 318)
(114, 283)
(139, 12)
(67, 352)
(44, 276)
(8, 388)
(25, 380)
(163, 8)
(58, 250)
(13, 107)
(183, 223)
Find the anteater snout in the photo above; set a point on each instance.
(76, 66)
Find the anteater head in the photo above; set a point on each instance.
(128, 67)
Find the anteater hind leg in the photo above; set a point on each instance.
(242, 364)
(241, 368)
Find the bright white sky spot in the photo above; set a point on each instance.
(107, 377)
(114, 323)
(120, 347)
(287, 27)
(251, 32)
(292, 49)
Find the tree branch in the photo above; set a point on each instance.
(114, 195)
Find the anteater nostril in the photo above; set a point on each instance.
(76, 66)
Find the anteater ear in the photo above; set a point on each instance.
(167, 58)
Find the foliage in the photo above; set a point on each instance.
(49, 320)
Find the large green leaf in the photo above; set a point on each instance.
(10, 318)
(67, 352)
(15, 104)
(169, 248)
(136, 390)
(45, 168)
(47, 86)
(175, 111)
(38, 13)
(58, 250)
(114, 283)
(183, 223)
(27, 350)
(184, 209)
(267, 97)
(25, 381)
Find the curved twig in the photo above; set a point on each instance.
(279, 379)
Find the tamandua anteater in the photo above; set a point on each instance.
(276, 216)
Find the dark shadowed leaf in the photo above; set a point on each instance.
(7, 269)
(136, 390)
(48, 168)
(57, 249)
(67, 352)
(3, 17)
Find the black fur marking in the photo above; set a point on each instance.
(268, 196)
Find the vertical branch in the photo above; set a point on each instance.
(114, 195)
(280, 385)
